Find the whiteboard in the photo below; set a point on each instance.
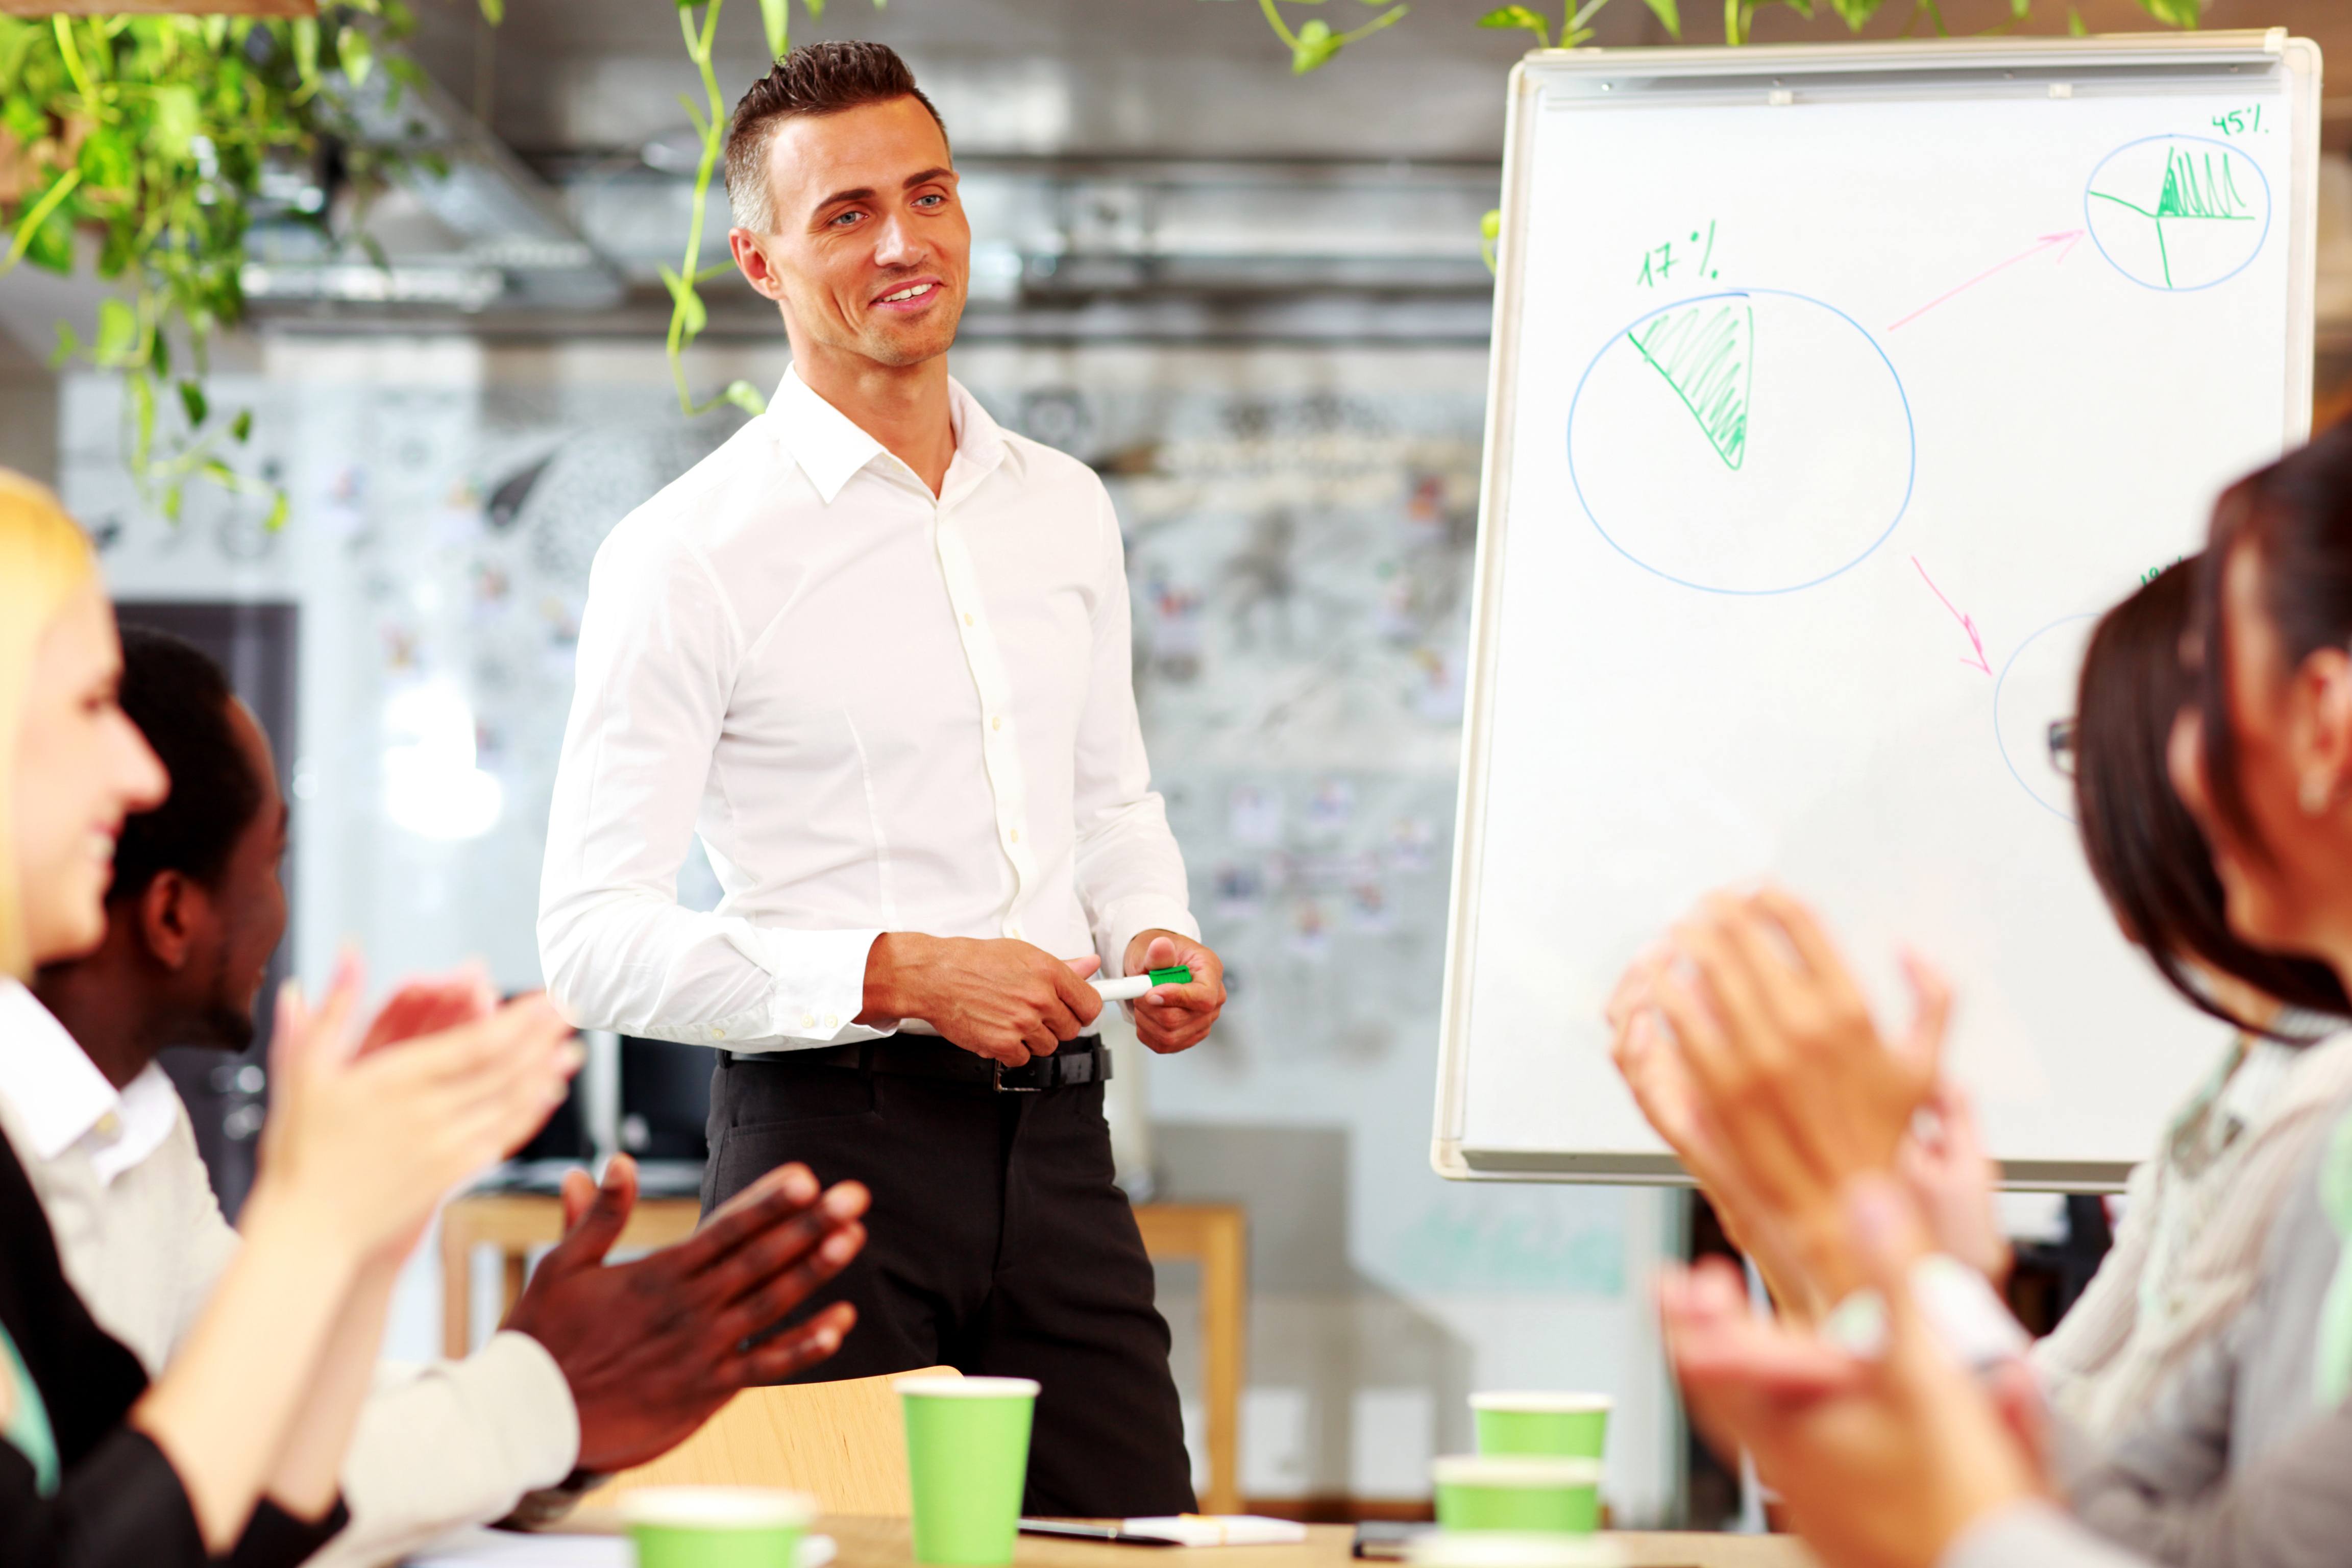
(1835, 391)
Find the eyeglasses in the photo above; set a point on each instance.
(2062, 751)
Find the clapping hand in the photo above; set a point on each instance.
(653, 1346)
(1792, 1090)
(1882, 1461)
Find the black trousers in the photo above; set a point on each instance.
(996, 1245)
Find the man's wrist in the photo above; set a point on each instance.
(889, 965)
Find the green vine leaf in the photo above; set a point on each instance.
(117, 330)
(776, 17)
(240, 429)
(356, 53)
(1669, 14)
(1522, 18)
(494, 11)
(747, 397)
(193, 403)
(306, 50)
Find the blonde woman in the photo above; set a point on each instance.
(234, 1449)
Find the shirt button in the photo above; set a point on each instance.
(1014, 931)
(110, 1125)
(967, 617)
(996, 722)
(808, 1020)
(832, 1021)
(1016, 835)
(718, 1034)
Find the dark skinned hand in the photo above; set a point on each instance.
(652, 1347)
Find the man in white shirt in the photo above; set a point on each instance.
(876, 651)
(598, 1367)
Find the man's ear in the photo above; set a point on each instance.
(172, 912)
(751, 260)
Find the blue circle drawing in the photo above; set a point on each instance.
(2090, 222)
(2000, 686)
(1910, 462)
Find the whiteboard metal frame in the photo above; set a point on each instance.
(1778, 75)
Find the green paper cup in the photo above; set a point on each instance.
(1566, 1425)
(718, 1527)
(1517, 1492)
(968, 1457)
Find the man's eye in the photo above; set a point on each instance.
(845, 219)
(933, 200)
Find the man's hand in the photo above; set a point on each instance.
(651, 1348)
(1170, 1018)
(1001, 999)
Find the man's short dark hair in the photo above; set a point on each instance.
(816, 78)
(179, 699)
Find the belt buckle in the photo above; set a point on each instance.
(999, 1086)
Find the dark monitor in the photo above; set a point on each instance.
(665, 1100)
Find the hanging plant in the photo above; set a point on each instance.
(138, 145)
(1316, 44)
(687, 314)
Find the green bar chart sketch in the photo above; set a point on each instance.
(2179, 213)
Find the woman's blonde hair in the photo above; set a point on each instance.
(44, 557)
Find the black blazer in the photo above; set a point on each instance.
(119, 1503)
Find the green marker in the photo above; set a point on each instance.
(1135, 985)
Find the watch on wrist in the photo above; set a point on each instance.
(545, 1505)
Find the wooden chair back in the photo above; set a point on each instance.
(844, 1443)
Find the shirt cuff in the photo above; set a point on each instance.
(818, 988)
(520, 1376)
(1119, 925)
(2033, 1535)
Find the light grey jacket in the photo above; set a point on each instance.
(2230, 1468)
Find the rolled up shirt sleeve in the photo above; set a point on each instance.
(1129, 870)
(658, 650)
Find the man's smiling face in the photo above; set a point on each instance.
(873, 249)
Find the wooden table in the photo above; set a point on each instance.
(1214, 1236)
(886, 1543)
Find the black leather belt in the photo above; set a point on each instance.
(1083, 1060)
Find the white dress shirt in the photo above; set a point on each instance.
(143, 1243)
(882, 710)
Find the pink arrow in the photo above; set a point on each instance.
(2070, 239)
(1967, 624)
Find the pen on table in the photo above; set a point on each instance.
(1130, 987)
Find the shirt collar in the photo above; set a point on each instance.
(830, 447)
(60, 1098)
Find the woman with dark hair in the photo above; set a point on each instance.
(2191, 1244)
(2146, 851)
(1901, 1459)
(2186, 1255)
